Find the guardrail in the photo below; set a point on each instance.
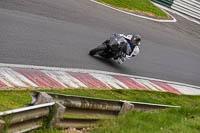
(187, 7)
(93, 107)
(24, 119)
(80, 112)
(167, 3)
(64, 111)
(103, 105)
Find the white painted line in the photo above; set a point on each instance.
(132, 14)
(16, 78)
(109, 81)
(156, 86)
(146, 84)
(93, 71)
(26, 108)
(178, 13)
(140, 83)
(64, 79)
(23, 79)
(186, 90)
(2, 78)
(7, 79)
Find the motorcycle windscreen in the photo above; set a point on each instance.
(115, 41)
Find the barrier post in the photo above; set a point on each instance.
(2, 123)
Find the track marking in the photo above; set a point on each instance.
(140, 16)
(130, 82)
(110, 81)
(178, 13)
(92, 71)
(88, 79)
(186, 90)
(64, 79)
(12, 78)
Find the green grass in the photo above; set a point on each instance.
(183, 120)
(86, 116)
(140, 6)
(13, 99)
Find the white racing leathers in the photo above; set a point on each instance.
(128, 51)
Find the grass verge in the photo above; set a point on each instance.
(185, 119)
(13, 99)
(138, 6)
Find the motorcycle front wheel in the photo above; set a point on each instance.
(98, 49)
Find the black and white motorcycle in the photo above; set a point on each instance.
(111, 49)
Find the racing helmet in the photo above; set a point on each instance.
(136, 39)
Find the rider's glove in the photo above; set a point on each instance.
(122, 54)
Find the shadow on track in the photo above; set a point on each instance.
(111, 63)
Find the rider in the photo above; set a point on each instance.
(130, 48)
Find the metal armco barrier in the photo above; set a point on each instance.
(67, 111)
(24, 119)
(97, 106)
(167, 3)
(140, 106)
(187, 7)
(77, 106)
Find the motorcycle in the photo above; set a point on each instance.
(110, 49)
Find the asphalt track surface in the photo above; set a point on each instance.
(60, 33)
